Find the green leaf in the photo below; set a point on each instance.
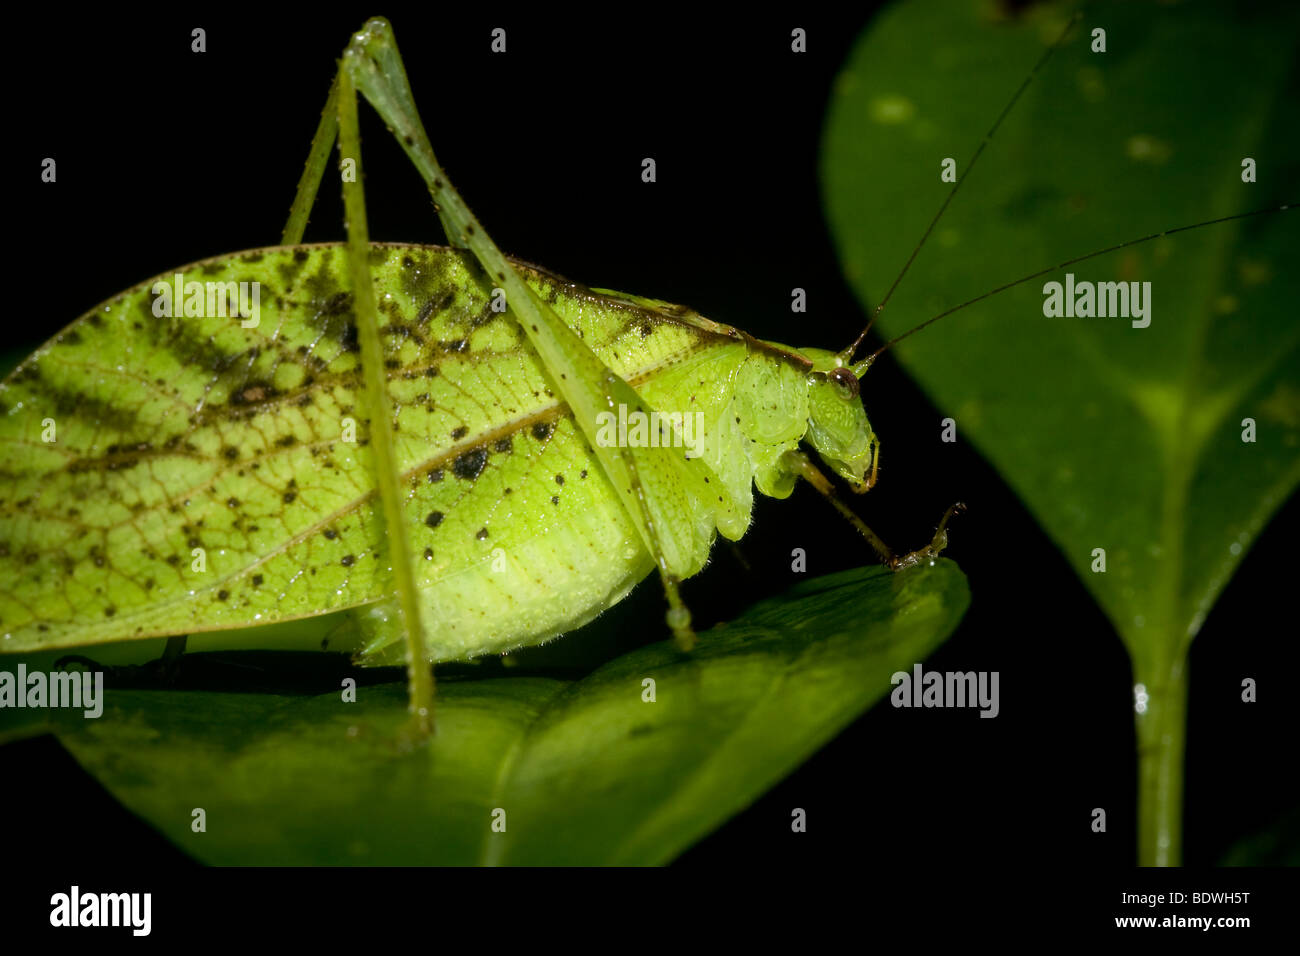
(586, 771)
(1121, 438)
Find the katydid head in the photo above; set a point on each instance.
(837, 423)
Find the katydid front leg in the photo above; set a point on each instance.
(801, 464)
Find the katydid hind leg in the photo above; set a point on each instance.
(582, 379)
(322, 143)
(339, 112)
(419, 670)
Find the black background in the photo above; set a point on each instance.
(165, 157)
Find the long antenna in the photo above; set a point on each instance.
(862, 366)
(847, 354)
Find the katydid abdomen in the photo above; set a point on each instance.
(173, 473)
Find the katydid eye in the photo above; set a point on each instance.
(846, 383)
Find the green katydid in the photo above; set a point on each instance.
(491, 507)
(239, 497)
